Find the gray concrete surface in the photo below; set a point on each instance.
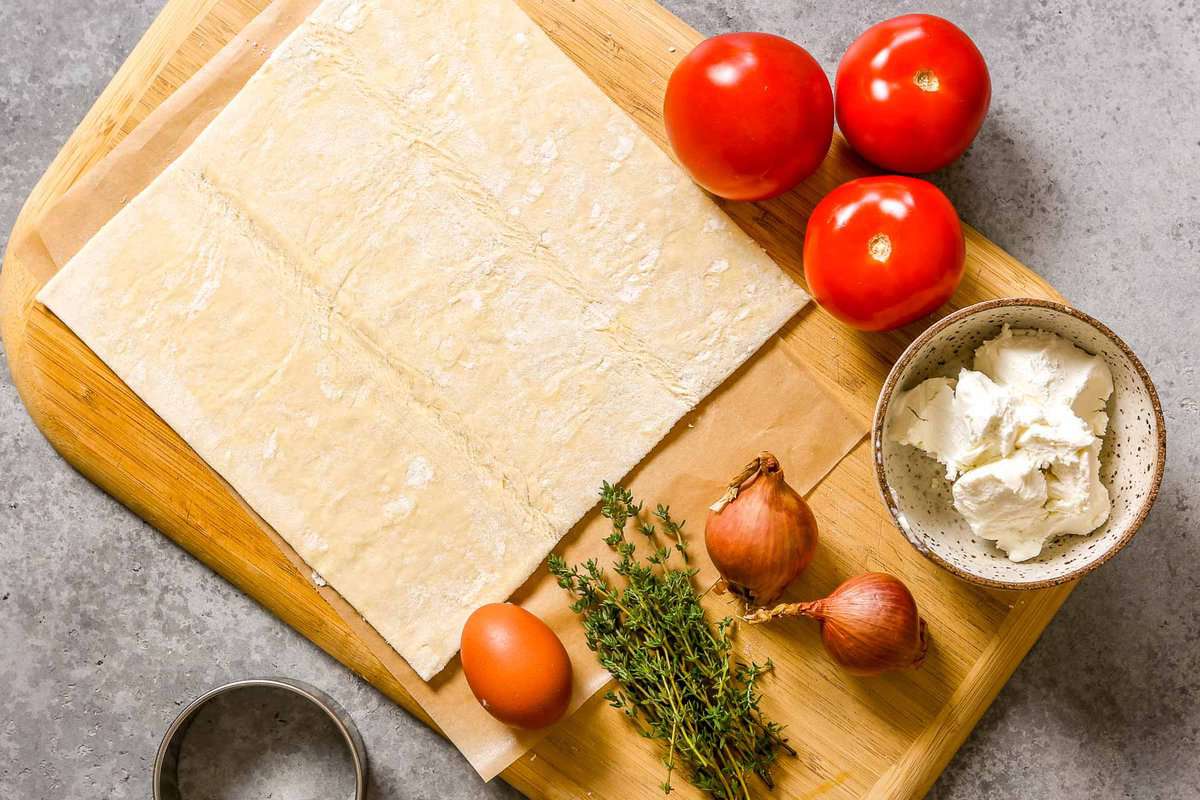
(1085, 170)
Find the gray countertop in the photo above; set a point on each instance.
(1086, 170)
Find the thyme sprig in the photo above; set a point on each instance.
(680, 681)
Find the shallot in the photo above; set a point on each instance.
(869, 624)
(760, 534)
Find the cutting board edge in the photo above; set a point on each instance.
(100, 130)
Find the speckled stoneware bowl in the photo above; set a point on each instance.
(916, 492)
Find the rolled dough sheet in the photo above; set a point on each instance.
(414, 293)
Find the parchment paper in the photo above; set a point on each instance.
(771, 403)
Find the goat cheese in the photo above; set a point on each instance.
(1019, 436)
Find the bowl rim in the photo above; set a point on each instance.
(907, 357)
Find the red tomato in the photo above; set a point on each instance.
(912, 93)
(883, 251)
(749, 115)
(516, 666)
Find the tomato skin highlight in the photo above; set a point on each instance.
(882, 251)
(749, 115)
(516, 666)
(912, 93)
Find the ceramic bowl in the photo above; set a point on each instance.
(916, 492)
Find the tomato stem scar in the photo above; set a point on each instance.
(880, 247)
(926, 80)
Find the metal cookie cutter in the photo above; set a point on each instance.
(166, 763)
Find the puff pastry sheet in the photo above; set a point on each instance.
(414, 293)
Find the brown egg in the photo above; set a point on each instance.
(516, 666)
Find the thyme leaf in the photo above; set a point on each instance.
(679, 679)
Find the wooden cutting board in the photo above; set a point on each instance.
(888, 737)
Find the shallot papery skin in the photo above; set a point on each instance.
(761, 534)
(869, 624)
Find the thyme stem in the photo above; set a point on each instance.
(678, 678)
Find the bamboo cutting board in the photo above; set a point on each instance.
(881, 738)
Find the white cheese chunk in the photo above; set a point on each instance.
(1078, 500)
(1047, 369)
(960, 423)
(924, 417)
(1005, 501)
(1020, 437)
(1056, 433)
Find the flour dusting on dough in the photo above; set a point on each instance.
(272, 445)
(649, 260)
(352, 18)
(623, 149)
(398, 508)
(420, 472)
